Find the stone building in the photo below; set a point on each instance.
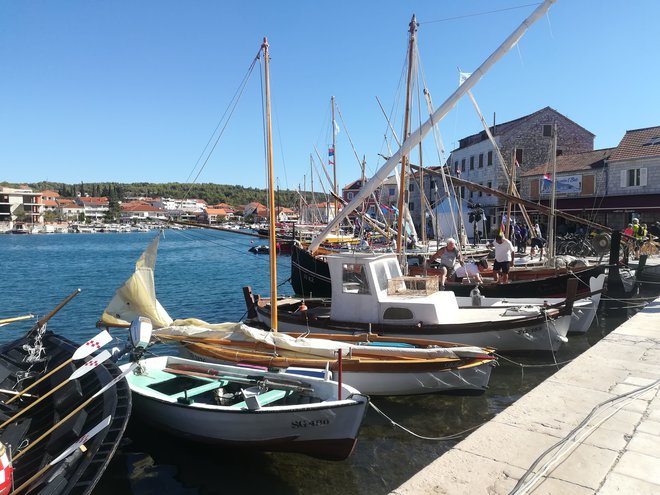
(527, 141)
(609, 186)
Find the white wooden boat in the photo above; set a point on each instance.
(369, 294)
(248, 407)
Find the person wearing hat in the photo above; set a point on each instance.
(449, 255)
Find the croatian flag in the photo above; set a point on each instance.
(547, 178)
(331, 152)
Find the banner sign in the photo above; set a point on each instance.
(571, 184)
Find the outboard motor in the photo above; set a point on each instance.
(139, 336)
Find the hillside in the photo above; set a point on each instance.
(211, 193)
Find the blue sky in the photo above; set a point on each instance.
(131, 91)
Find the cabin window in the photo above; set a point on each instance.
(381, 277)
(398, 314)
(354, 279)
(490, 158)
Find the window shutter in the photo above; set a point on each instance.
(624, 174)
(642, 176)
(534, 192)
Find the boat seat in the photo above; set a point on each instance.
(265, 398)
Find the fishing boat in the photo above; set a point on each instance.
(369, 294)
(63, 411)
(244, 407)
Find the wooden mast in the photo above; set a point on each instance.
(271, 195)
(552, 218)
(334, 156)
(406, 133)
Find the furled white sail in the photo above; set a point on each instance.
(137, 297)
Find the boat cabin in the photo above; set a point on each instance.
(371, 288)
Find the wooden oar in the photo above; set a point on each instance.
(245, 380)
(77, 446)
(75, 411)
(45, 319)
(85, 368)
(83, 351)
(6, 321)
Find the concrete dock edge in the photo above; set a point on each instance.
(619, 451)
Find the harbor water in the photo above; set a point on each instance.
(201, 274)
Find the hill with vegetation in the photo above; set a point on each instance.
(211, 193)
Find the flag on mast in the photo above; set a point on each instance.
(547, 177)
(331, 156)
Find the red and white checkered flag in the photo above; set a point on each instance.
(93, 344)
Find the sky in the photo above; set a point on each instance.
(133, 91)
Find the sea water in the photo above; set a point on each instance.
(200, 274)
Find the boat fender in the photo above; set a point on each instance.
(302, 307)
(475, 295)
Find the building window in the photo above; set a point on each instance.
(560, 152)
(634, 177)
(519, 156)
(411, 206)
(411, 187)
(391, 191)
(456, 165)
(481, 193)
(490, 158)
(490, 186)
(481, 160)
(472, 163)
(463, 165)
(349, 195)
(547, 130)
(462, 192)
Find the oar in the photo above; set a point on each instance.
(38, 325)
(7, 321)
(83, 351)
(76, 410)
(78, 445)
(88, 366)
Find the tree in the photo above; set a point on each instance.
(114, 211)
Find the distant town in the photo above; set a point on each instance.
(610, 186)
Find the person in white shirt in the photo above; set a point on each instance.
(504, 255)
(472, 270)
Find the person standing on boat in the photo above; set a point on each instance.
(537, 241)
(504, 256)
(449, 255)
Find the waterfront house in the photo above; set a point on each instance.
(610, 186)
(20, 205)
(94, 208)
(139, 211)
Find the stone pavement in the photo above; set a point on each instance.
(617, 451)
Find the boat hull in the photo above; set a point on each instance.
(540, 334)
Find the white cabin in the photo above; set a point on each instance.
(371, 289)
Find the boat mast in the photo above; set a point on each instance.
(553, 196)
(271, 195)
(416, 137)
(406, 133)
(334, 157)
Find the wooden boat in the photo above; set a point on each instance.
(373, 364)
(45, 441)
(369, 294)
(248, 407)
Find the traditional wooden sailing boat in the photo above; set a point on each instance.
(63, 412)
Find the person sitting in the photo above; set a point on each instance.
(472, 271)
(504, 256)
(449, 255)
